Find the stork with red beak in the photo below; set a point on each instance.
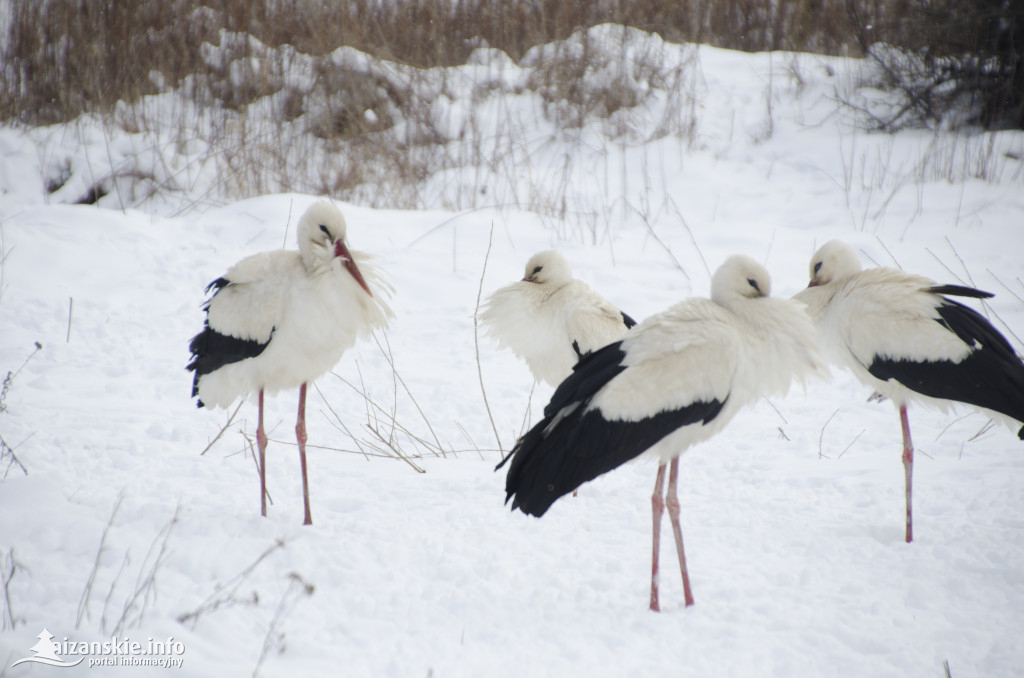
(278, 320)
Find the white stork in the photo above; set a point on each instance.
(674, 380)
(901, 335)
(278, 320)
(550, 319)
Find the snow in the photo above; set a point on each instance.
(793, 516)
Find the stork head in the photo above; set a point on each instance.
(547, 267)
(322, 239)
(740, 276)
(833, 260)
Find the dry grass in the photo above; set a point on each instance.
(336, 98)
(64, 58)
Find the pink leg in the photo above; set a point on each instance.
(657, 508)
(908, 467)
(261, 443)
(300, 435)
(672, 501)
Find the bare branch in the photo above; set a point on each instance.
(224, 595)
(222, 429)
(476, 341)
(821, 435)
(83, 603)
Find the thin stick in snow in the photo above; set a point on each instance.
(251, 449)
(821, 435)
(989, 425)
(134, 608)
(8, 569)
(476, 340)
(110, 592)
(950, 424)
(391, 362)
(222, 428)
(847, 448)
(1005, 287)
(83, 603)
(1007, 328)
(287, 224)
(889, 252)
(693, 239)
(526, 413)
(224, 594)
(961, 260)
(943, 264)
(289, 598)
(388, 446)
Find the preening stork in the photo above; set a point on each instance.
(902, 335)
(673, 381)
(550, 319)
(278, 320)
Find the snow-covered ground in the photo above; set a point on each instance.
(414, 567)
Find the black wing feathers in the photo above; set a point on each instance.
(960, 291)
(216, 285)
(991, 376)
(570, 445)
(212, 350)
(626, 320)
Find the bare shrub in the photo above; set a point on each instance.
(369, 101)
(62, 58)
(595, 74)
(953, 62)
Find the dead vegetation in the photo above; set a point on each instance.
(345, 98)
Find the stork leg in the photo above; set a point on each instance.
(657, 508)
(672, 501)
(908, 467)
(300, 435)
(261, 443)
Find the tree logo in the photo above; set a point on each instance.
(46, 652)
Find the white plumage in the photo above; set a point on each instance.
(674, 380)
(902, 336)
(549, 319)
(278, 320)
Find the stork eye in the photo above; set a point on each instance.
(326, 232)
(536, 270)
(817, 267)
(753, 283)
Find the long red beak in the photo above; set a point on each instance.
(341, 251)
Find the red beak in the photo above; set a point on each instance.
(341, 251)
(813, 283)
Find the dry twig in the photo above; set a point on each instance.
(224, 595)
(83, 603)
(476, 341)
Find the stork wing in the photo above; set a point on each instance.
(887, 314)
(591, 320)
(671, 371)
(249, 303)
